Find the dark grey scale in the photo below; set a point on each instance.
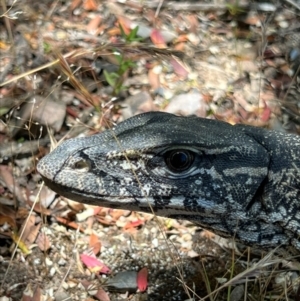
(161, 201)
(191, 203)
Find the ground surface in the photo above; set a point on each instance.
(70, 68)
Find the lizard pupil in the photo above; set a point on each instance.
(179, 160)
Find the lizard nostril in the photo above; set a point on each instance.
(82, 165)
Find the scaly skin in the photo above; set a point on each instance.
(237, 181)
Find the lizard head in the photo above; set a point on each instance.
(186, 167)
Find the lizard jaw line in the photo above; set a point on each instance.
(89, 198)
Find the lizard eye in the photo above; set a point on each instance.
(179, 160)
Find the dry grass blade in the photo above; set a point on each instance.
(254, 271)
(29, 72)
(65, 68)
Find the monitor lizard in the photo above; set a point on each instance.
(236, 180)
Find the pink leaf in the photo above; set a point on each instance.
(133, 224)
(95, 265)
(142, 279)
(157, 39)
(179, 67)
(266, 114)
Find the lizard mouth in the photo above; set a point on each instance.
(81, 196)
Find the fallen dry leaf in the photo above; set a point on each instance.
(94, 265)
(194, 22)
(93, 25)
(94, 243)
(125, 24)
(12, 186)
(68, 223)
(8, 220)
(90, 211)
(133, 224)
(117, 213)
(153, 77)
(8, 215)
(30, 231)
(37, 207)
(207, 234)
(266, 114)
(101, 295)
(179, 68)
(75, 4)
(142, 279)
(157, 39)
(90, 5)
(20, 243)
(43, 242)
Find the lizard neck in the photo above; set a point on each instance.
(280, 193)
